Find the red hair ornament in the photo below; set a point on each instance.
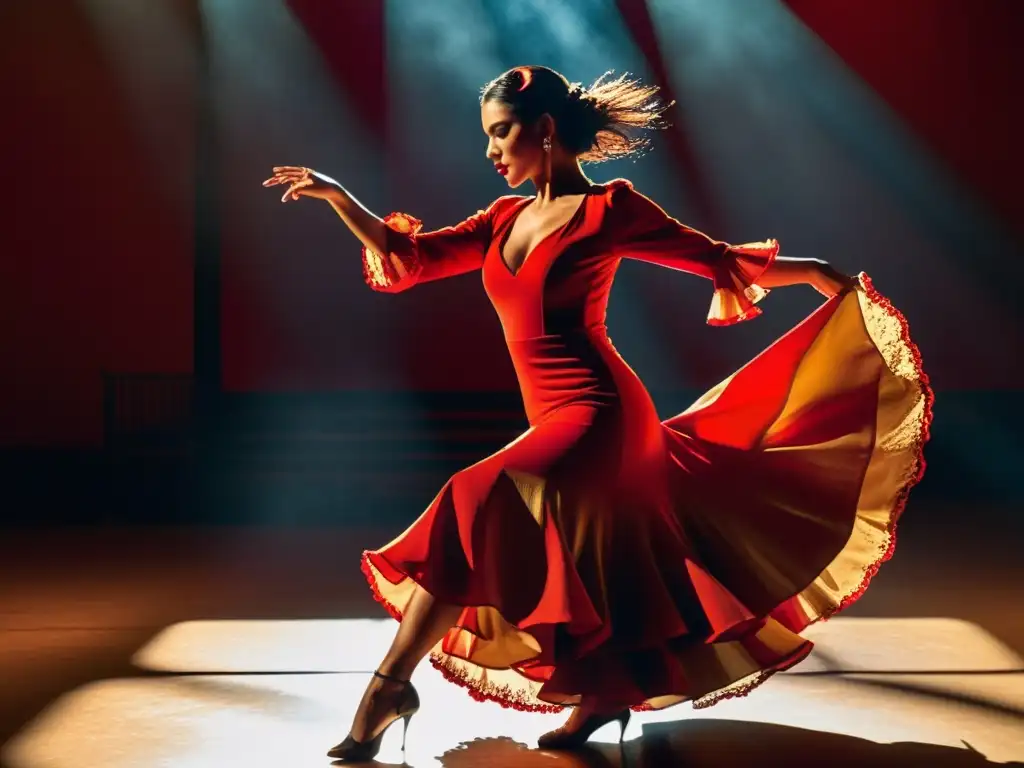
(526, 75)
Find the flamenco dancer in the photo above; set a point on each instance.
(608, 561)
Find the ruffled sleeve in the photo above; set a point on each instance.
(642, 230)
(735, 282)
(399, 268)
(414, 257)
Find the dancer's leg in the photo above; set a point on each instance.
(424, 623)
(585, 718)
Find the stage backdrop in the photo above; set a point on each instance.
(880, 143)
(881, 136)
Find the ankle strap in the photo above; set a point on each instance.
(380, 674)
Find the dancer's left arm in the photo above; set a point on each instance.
(742, 274)
(817, 273)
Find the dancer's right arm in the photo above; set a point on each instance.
(409, 255)
(305, 182)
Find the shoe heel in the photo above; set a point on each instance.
(623, 721)
(405, 728)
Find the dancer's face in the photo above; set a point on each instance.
(510, 144)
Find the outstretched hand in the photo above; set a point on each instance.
(302, 182)
(829, 281)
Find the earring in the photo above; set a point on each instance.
(547, 143)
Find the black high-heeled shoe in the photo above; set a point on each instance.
(361, 751)
(563, 739)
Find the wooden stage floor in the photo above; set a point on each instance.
(237, 646)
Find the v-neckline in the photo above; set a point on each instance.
(512, 222)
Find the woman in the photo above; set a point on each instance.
(608, 561)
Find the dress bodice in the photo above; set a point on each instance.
(553, 309)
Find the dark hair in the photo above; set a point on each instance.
(596, 123)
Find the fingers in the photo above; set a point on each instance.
(293, 173)
(274, 180)
(287, 174)
(295, 176)
(295, 189)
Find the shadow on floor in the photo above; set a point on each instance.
(718, 743)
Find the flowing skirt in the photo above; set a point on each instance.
(766, 506)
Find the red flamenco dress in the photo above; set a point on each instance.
(610, 554)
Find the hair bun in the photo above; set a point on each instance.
(577, 93)
(596, 123)
(585, 107)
